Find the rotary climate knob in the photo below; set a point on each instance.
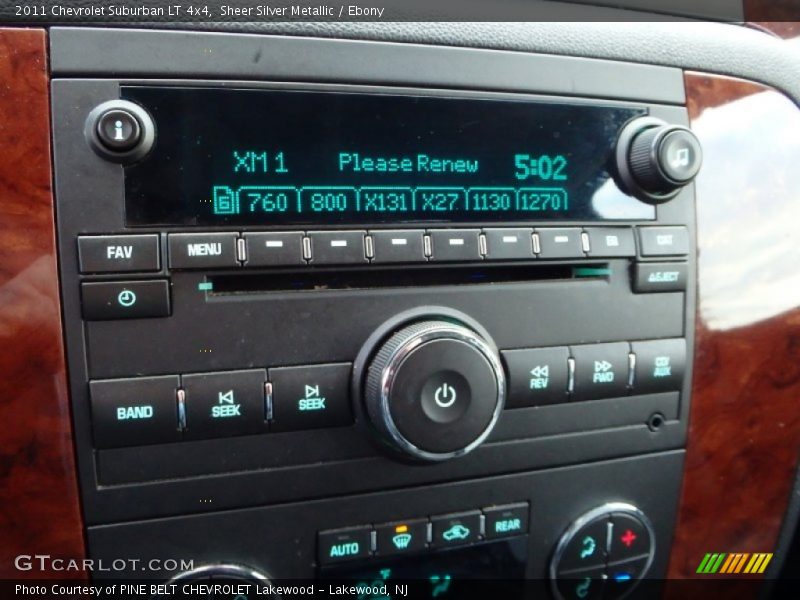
(435, 389)
(656, 160)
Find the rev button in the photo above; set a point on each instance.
(118, 253)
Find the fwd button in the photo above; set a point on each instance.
(310, 397)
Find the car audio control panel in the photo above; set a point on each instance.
(395, 327)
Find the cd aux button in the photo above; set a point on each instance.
(659, 365)
(202, 250)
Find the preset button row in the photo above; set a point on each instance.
(419, 534)
(540, 376)
(169, 408)
(141, 252)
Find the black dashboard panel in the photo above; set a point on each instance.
(237, 374)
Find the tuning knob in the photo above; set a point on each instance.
(434, 390)
(656, 160)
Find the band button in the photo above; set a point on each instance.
(134, 412)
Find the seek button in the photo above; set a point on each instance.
(311, 397)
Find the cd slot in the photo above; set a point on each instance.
(317, 280)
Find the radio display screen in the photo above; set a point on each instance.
(289, 158)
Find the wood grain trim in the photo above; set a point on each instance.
(39, 506)
(744, 434)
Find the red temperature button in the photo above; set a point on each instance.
(629, 538)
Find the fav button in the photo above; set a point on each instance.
(537, 376)
(343, 544)
(134, 412)
(202, 250)
(311, 397)
(104, 300)
(402, 537)
(224, 404)
(505, 521)
(456, 529)
(601, 370)
(118, 253)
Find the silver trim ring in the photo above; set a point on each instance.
(395, 360)
(586, 518)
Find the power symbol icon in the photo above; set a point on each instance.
(445, 395)
(126, 298)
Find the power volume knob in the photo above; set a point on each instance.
(434, 390)
(656, 160)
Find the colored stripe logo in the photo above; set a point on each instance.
(734, 563)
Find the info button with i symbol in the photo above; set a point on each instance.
(118, 130)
